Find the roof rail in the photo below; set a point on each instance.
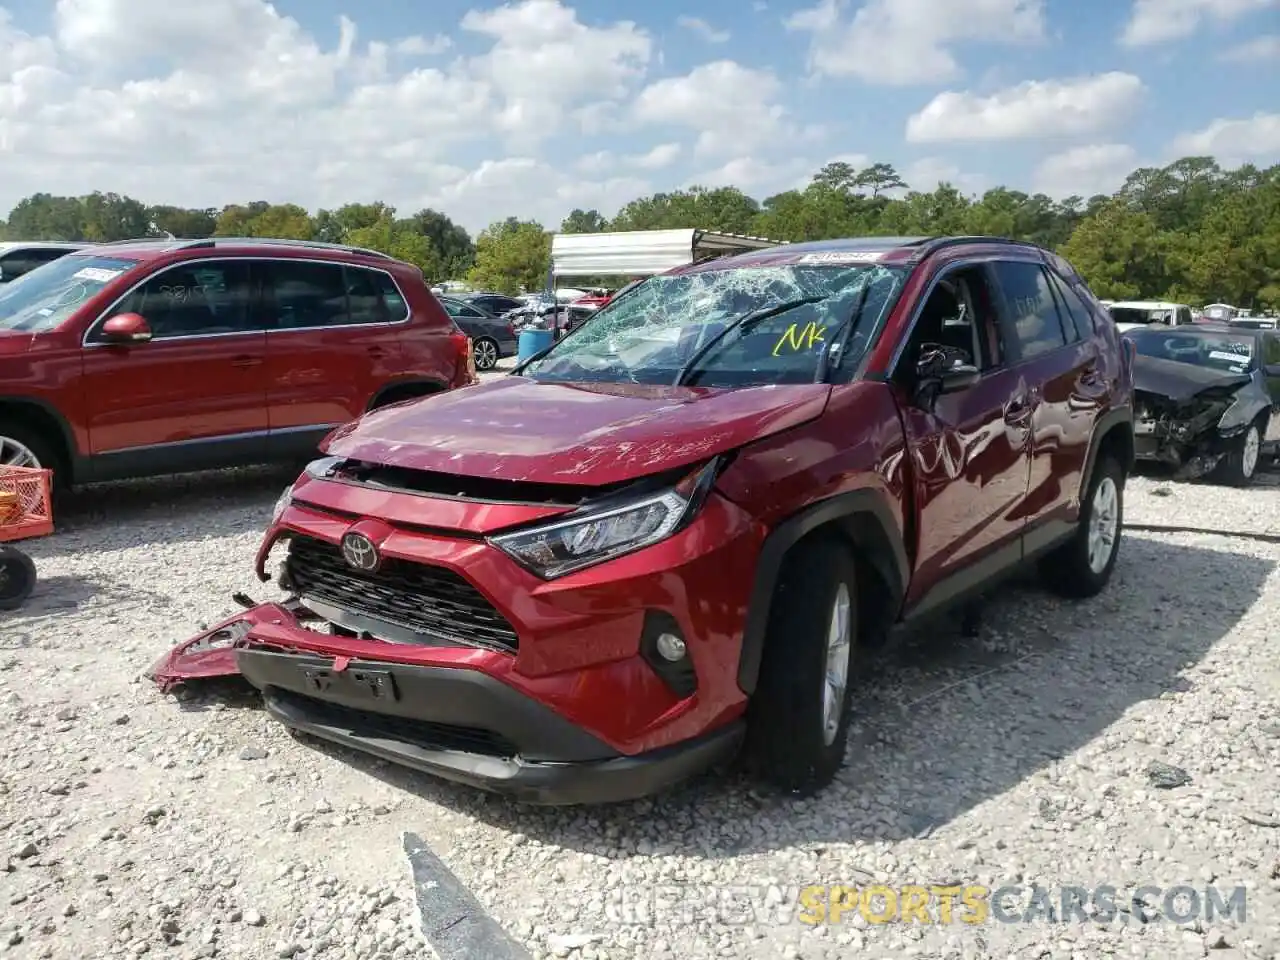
(112, 243)
(210, 242)
(925, 248)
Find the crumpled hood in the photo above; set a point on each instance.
(591, 434)
(1181, 381)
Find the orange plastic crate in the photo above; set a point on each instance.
(26, 503)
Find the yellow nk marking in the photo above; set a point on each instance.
(797, 338)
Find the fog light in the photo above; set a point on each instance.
(670, 647)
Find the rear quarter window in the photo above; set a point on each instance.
(392, 298)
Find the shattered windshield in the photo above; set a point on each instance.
(1225, 352)
(49, 294)
(652, 334)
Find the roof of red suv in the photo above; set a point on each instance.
(154, 248)
(889, 250)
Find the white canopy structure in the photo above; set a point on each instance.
(642, 253)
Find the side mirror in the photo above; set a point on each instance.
(959, 376)
(126, 328)
(1272, 369)
(939, 371)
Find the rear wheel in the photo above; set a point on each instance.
(486, 353)
(1082, 566)
(798, 720)
(17, 578)
(1240, 464)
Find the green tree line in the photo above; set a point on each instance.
(1192, 231)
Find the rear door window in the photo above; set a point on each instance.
(1035, 326)
(301, 295)
(1077, 313)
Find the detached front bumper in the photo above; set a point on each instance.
(466, 727)
(455, 722)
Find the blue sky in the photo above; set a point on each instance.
(539, 106)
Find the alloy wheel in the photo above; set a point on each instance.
(1104, 523)
(836, 678)
(14, 453)
(486, 353)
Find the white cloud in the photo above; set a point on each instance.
(758, 178)
(508, 185)
(735, 107)
(1234, 141)
(1034, 109)
(601, 161)
(663, 155)
(1159, 21)
(1258, 50)
(703, 29)
(545, 61)
(231, 100)
(909, 42)
(926, 173)
(1085, 171)
(420, 46)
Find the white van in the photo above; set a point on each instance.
(1139, 313)
(22, 256)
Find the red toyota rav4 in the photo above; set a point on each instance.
(154, 356)
(687, 522)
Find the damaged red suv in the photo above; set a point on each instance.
(681, 530)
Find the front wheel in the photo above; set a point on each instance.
(1082, 566)
(798, 720)
(17, 578)
(486, 353)
(1241, 462)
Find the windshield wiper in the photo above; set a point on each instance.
(740, 326)
(836, 346)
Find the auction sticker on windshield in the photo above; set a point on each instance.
(1229, 357)
(97, 274)
(848, 256)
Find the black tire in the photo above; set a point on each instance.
(1067, 570)
(488, 349)
(17, 578)
(788, 743)
(1235, 468)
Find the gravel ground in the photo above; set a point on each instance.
(140, 824)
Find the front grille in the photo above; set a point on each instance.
(428, 600)
(422, 733)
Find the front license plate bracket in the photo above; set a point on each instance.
(354, 684)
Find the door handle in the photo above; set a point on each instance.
(377, 352)
(246, 361)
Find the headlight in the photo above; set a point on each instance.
(282, 504)
(555, 549)
(323, 468)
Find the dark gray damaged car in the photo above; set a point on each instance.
(1207, 399)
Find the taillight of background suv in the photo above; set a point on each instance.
(466, 371)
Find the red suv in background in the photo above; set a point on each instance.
(153, 356)
(687, 522)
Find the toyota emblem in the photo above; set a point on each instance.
(360, 553)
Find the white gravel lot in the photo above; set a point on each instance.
(135, 824)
